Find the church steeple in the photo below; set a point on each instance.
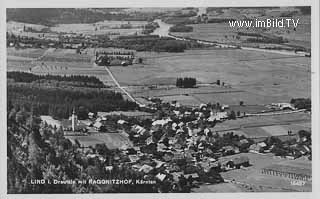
(73, 120)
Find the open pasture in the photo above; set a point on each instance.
(102, 27)
(112, 140)
(27, 52)
(222, 32)
(262, 77)
(296, 121)
(67, 55)
(17, 27)
(259, 182)
(219, 32)
(55, 62)
(19, 64)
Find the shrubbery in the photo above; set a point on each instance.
(181, 28)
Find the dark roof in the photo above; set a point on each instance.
(241, 160)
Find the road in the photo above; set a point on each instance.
(121, 88)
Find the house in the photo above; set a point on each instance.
(133, 158)
(90, 115)
(108, 168)
(194, 176)
(161, 177)
(177, 175)
(284, 106)
(149, 140)
(146, 168)
(229, 150)
(158, 163)
(218, 116)
(203, 106)
(161, 122)
(238, 162)
(121, 122)
(138, 129)
(97, 125)
(258, 148)
(224, 106)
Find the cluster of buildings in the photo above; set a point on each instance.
(115, 58)
(175, 142)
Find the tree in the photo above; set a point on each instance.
(232, 115)
(102, 149)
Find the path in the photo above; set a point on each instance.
(121, 88)
(49, 50)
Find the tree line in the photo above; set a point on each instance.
(151, 43)
(301, 103)
(59, 103)
(181, 28)
(29, 77)
(187, 82)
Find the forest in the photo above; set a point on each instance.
(89, 81)
(59, 103)
(152, 43)
(40, 151)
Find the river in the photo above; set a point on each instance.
(163, 31)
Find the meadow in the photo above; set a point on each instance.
(252, 176)
(111, 140)
(100, 28)
(250, 76)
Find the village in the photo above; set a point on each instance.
(165, 101)
(178, 144)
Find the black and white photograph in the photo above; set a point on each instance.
(164, 99)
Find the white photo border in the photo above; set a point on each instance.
(167, 3)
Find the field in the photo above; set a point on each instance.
(296, 121)
(259, 182)
(103, 27)
(67, 55)
(111, 28)
(254, 77)
(55, 62)
(17, 27)
(222, 32)
(112, 140)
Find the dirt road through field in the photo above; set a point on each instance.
(121, 88)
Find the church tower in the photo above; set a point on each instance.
(73, 120)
